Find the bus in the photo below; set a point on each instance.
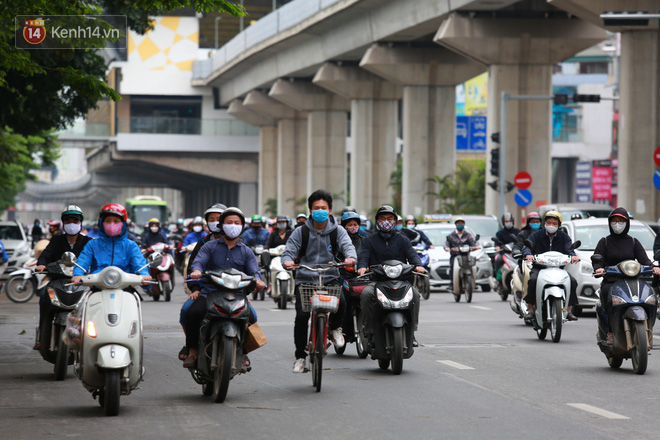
(141, 209)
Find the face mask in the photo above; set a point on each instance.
(213, 227)
(617, 227)
(232, 231)
(256, 227)
(72, 228)
(352, 229)
(460, 227)
(320, 216)
(386, 225)
(399, 227)
(551, 229)
(154, 229)
(410, 226)
(113, 229)
(281, 226)
(364, 228)
(197, 229)
(535, 226)
(508, 225)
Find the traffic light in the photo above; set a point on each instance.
(561, 99)
(495, 161)
(495, 137)
(586, 98)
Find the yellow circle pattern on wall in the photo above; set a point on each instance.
(172, 45)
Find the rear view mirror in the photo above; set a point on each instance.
(657, 255)
(576, 245)
(477, 237)
(69, 259)
(514, 238)
(493, 238)
(597, 258)
(529, 244)
(155, 259)
(516, 253)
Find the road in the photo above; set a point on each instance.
(479, 373)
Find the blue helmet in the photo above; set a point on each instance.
(348, 216)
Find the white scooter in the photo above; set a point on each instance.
(281, 280)
(23, 283)
(553, 287)
(108, 342)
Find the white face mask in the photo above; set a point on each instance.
(508, 225)
(197, 229)
(72, 228)
(213, 227)
(154, 229)
(232, 231)
(617, 227)
(551, 229)
(281, 225)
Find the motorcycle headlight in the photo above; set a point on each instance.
(630, 268)
(464, 248)
(650, 300)
(617, 300)
(393, 271)
(230, 281)
(386, 303)
(53, 297)
(586, 268)
(238, 305)
(111, 278)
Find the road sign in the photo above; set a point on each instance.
(656, 179)
(523, 197)
(523, 180)
(471, 133)
(656, 156)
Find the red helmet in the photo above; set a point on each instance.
(114, 209)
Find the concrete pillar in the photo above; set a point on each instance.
(291, 132)
(267, 180)
(428, 77)
(373, 105)
(520, 54)
(326, 135)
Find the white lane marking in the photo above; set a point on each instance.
(456, 365)
(481, 307)
(656, 336)
(598, 411)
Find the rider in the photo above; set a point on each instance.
(301, 219)
(153, 234)
(53, 228)
(411, 225)
(278, 237)
(503, 237)
(532, 225)
(256, 234)
(36, 232)
(112, 248)
(377, 248)
(227, 252)
(197, 232)
(615, 248)
(455, 239)
(544, 240)
(317, 242)
(71, 241)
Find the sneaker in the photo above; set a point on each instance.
(530, 313)
(299, 366)
(337, 337)
(571, 317)
(415, 343)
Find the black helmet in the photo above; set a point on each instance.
(576, 216)
(385, 209)
(232, 211)
(282, 218)
(217, 208)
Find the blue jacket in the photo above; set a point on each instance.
(561, 242)
(5, 258)
(107, 251)
(252, 238)
(193, 237)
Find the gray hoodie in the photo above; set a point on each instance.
(319, 250)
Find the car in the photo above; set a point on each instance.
(586, 210)
(12, 236)
(589, 232)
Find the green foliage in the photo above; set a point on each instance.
(396, 180)
(299, 204)
(271, 207)
(463, 192)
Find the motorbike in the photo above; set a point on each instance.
(465, 272)
(23, 283)
(353, 288)
(188, 250)
(62, 299)
(223, 331)
(163, 273)
(423, 283)
(519, 279)
(393, 320)
(179, 256)
(281, 280)
(507, 267)
(260, 294)
(553, 287)
(105, 332)
(633, 315)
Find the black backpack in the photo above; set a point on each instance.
(305, 240)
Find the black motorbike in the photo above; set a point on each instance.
(393, 319)
(353, 287)
(223, 331)
(61, 299)
(634, 310)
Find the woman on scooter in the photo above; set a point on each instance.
(615, 248)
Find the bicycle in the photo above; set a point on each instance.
(320, 300)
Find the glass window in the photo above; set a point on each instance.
(10, 232)
(486, 228)
(590, 235)
(438, 236)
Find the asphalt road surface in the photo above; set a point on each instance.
(479, 373)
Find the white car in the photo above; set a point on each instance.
(16, 244)
(589, 232)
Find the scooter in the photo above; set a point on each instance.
(634, 310)
(223, 331)
(519, 279)
(553, 287)
(353, 288)
(188, 250)
(163, 273)
(62, 298)
(393, 320)
(423, 283)
(465, 272)
(260, 294)
(507, 267)
(25, 282)
(107, 334)
(281, 280)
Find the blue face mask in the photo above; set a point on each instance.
(320, 215)
(535, 226)
(364, 228)
(460, 227)
(399, 227)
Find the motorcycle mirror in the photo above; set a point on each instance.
(69, 259)
(477, 237)
(514, 237)
(529, 244)
(155, 259)
(493, 238)
(576, 245)
(657, 255)
(516, 253)
(597, 258)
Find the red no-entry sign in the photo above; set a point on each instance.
(656, 156)
(523, 180)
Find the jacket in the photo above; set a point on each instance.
(274, 239)
(193, 237)
(561, 242)
(107, 251)
(503, 236)
(149, 238)
(252, 238)
(319, 250)
(378, 248)
(58, 246)
(5, 258)
(453, 240)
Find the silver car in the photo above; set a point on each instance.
(589, 232)
(16, 244)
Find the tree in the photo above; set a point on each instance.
(464, 191)
(46, 90)
(271, 207)
(396, 182)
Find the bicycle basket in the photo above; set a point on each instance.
(313, 296)
(356, 285)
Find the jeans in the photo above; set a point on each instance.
(531, 288)
(368, 303)
(301, 323)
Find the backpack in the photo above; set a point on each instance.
(305, 240)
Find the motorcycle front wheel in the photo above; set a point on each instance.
(556, 321)
(19, 290)
(468, 288)
(426, 288)
(222, 373)
(640, 351)
(111, 392)
(61, 359)
(397, 350)
(283, 286)
(360, 342)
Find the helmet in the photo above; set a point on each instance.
(232, 211)
(576, 216)
(301, 215)
(54, 223)
(410, 217)
(399, 219)
(154, 221)
(552, 214)
(348, 209)
(256, 218)
(459, 219)
(348, 216)
(114, 209)
(507, 217)
(363, 220)
(282, 218)
(216, 207)
(533, 216)
(72, 211)
(198, 220)
(385, 209)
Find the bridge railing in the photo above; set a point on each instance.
(286, 17)
(204, 127)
